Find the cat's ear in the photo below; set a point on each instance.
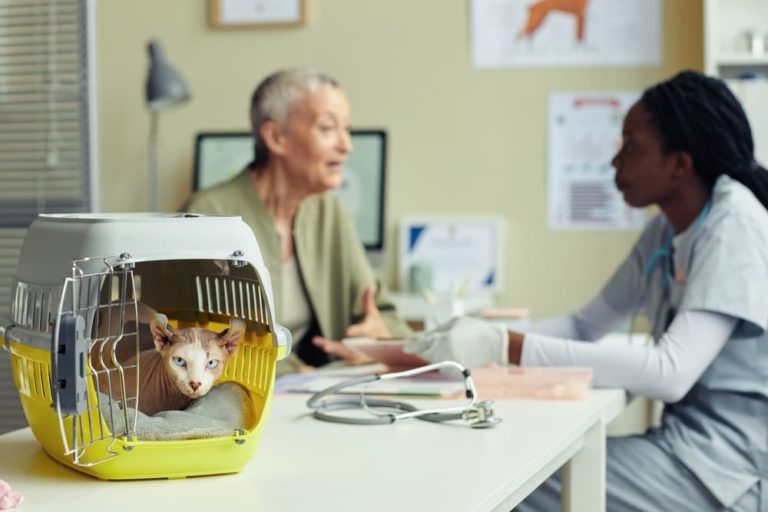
(230, 338)
(161, 331)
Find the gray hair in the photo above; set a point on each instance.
(276, 97)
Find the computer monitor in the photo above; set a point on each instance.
(221, 155)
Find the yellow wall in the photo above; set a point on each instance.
(462, 141)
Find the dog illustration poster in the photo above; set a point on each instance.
(531, 33)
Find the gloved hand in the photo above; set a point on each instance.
(468, 341)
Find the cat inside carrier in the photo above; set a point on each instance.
(144, 345)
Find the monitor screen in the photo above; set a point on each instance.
(221, 155)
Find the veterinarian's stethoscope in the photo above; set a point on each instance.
(665, 253)
(663, 256)
(478, 414)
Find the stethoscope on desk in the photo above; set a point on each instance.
(478, 414)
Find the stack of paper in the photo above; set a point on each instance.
(427, 385)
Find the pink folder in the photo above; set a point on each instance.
(555, 383)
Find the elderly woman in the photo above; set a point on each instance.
(323, 285)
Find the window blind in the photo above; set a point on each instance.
(46, 135)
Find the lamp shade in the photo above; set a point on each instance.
(165, 86)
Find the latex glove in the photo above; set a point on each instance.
(372, 325)
(468, 341)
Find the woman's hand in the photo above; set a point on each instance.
(338, 349)
(373, 325)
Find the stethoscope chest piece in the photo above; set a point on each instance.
(481, 415)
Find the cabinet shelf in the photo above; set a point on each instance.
(740, 59)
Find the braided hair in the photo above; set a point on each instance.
(700, 115)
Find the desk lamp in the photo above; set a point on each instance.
(165, 90)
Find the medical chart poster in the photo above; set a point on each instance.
(584, 135)
(540, 33)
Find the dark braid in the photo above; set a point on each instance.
(700, 115)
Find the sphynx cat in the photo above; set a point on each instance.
(183, 364)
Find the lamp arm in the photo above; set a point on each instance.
(153, 161)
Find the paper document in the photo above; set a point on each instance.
(413, 386)
(584, 135)
(387, 352)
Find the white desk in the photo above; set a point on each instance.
(303, 464)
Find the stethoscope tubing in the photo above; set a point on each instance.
(324, 408)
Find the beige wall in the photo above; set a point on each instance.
(462, 141)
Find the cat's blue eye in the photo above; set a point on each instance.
(213, 363)
(180, 362)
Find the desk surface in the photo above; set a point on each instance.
(302, 463)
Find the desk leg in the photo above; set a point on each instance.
(583, 477)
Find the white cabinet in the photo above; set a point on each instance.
(736, 49)
(753, 95)
(736, 37)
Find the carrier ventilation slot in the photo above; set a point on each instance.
(232, 297)
(31, 307)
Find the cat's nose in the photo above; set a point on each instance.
(194, 385)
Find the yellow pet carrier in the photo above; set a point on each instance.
(77, 271)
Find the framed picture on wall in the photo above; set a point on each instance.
(451, 256)
(225, 14)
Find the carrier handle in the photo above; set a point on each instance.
(283, 337)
